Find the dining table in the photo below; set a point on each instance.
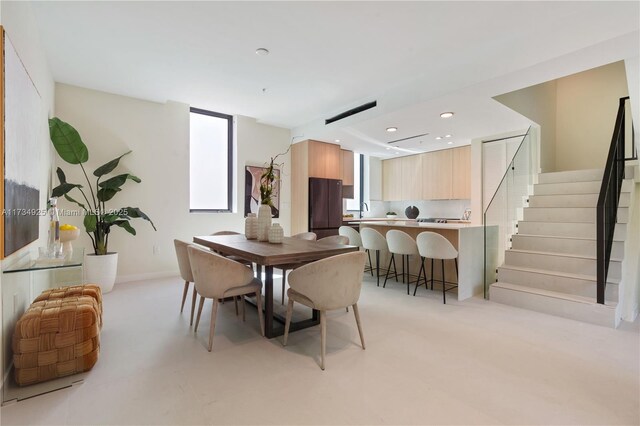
(269, 256)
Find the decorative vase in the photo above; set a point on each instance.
(66, 236)
(101, 270)
(276, 234)
(251, 226)
(264, 222)
(411, 212)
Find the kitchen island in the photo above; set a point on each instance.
(468, 239)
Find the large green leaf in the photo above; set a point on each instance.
(135, 212)
(90, 222)
(108, 167)
(117, 181)
(63, 188)
(74, 201)
(105, 194)
(126, 225)
(67, 142)
(61, 177)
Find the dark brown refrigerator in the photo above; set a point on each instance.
(325, 206)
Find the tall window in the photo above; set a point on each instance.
(210, 163)
(354, 203)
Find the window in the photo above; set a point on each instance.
(354, 204)
(210, 165)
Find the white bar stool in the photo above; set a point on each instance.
(434, 246)
(355, 240)
(372, 240)
(401, 243)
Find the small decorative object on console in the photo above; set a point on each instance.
(391, 215)
(411, 212)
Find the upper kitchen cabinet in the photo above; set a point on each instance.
(324, 160)
(392, 179)
(411, 184)
(461, 186)
(437, 173)
(347, 173)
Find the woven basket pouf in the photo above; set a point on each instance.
(92, 290)
(56, 338)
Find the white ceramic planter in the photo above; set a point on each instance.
(101, 270)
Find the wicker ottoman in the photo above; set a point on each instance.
(56, 338)
(92, 290)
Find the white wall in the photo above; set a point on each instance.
(19, 23)
(587, 104)
(158, 135)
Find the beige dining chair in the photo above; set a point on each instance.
(309, 236)
(185, 273)
(324, 285)
(217, 277)
(335, 239)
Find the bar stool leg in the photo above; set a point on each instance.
(388, 270)
(432, 270)
(408, 276)
(402, 259)
(377, 266)
(419, 275)
(370, 265)
(395, 270)
(444, 294)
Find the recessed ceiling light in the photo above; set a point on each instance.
(391, 129)
(338, 140)
(446, 115)
(449, 143)
(447, 136)
(438, 138)
(261, 51)
(388, 147)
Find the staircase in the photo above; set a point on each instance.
(551, 265)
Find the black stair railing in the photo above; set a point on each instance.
(607, 208)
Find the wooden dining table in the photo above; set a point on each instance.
(266, 255)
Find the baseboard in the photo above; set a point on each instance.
(148, 276)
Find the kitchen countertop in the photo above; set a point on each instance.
(414, 224)
(374, 219)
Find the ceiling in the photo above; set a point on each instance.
(416, 59)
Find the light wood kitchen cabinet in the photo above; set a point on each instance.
(346, 163)
(324, 160)
(461, 186)
(437, 173)
(392, 179)
(411, 183)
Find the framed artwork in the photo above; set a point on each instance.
(252, 190)
(24, 125)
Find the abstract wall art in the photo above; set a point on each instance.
(252, 191)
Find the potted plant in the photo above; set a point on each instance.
(391, 215)
(101, 265)
(267, 182)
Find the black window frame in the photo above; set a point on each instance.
(229, 119)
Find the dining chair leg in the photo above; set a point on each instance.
(323, 337)
(377, 267)
(193, 303)
(214, 311)
(356, 313)
(287, 322)
(419, 275)
(184, 294)
(195, 330)
(260, 314)
(242, 308)
(444, 294)
(386, 277)
(370, 264)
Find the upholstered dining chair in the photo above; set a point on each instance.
(217, 277)
(325, 285)
(237, 259)
(335, 239)
(309, 236)
(185, 273)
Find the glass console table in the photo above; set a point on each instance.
(22, 282)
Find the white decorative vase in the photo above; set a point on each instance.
(101, 270)
(264, 222)
(251, 226)
(276, 234)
